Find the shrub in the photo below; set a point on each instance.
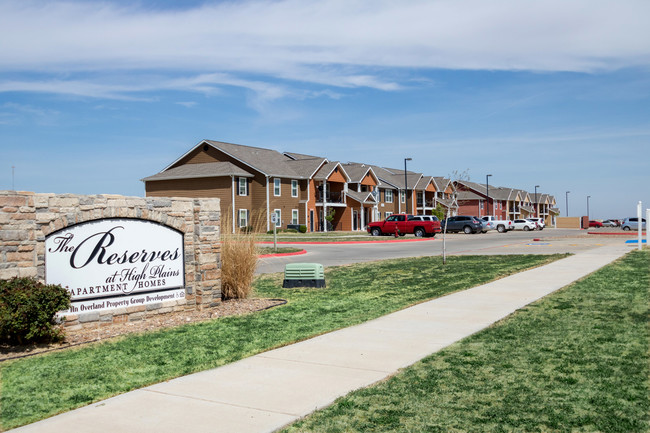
(28, 308)
(303, 228)
(239, 256)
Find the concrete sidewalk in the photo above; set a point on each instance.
(267, 391)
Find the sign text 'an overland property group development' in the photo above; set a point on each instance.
(116, 262)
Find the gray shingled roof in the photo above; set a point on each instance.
(267, 161)
(208, 169)
(306, 167)
(424, 182)
(500, 193)
(441, 183)
(327, 169)
(478, 187)
(298, 156)
(468, 195)
(356, 171)
(361, 197)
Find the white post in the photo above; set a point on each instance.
(233, 202)
(647, 232)
(324, 205)
(268, 206)
(639, 214)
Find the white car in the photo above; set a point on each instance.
(524, 225)
(539, 221)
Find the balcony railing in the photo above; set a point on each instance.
(426, 203)
(330, 197)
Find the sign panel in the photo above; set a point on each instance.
(116, 262)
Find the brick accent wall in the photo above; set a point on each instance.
(26, 218)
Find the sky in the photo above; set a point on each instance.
(96, 95)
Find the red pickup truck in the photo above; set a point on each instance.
(402, 224)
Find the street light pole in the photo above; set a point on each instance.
(588, 197)
(567, 203)
(406, 185)
(487, 194)
(536, 203)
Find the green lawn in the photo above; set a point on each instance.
(576, 361)
(37, 387)
(278, 250)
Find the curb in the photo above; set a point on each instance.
(295, 253)
(630, 233)
(349, 242)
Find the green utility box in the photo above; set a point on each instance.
(304, 275)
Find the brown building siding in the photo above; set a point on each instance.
(285, 202)
(209, 187)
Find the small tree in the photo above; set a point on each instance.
(439, 212)
(455, 177)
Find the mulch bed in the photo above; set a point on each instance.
(232, 307)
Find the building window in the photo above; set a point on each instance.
(294, 216)
(388, 195)
(243, 218)
(243, 186)
(276, 186)
(294, 188)
(402, 196)
(387, 215)
(481, 204)
(278, 212)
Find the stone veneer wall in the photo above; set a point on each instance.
(26, 218)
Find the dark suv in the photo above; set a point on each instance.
(467, 224)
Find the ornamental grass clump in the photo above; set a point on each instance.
(28, 310)
(239, 256)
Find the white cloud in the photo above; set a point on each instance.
(340, 43)
(187, 104)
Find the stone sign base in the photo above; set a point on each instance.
(26, 218)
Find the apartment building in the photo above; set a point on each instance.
(253, 183)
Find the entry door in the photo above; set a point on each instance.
(355, 220)
(311, 220)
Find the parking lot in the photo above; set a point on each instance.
(551, 241)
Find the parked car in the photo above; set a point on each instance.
(485, 226)
(462, 223)
(402, 224)
(633, 224)
(596, 224)
(539, 222)
(423, 218)
(501, 226)
(524, 225)
(610, 223)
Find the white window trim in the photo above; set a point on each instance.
(294, 187)
(239, 220)
(387, 215)
(295, 216)
(277, 187)
(278, 212)
(245, 185)
(402, 195)
(386, 195)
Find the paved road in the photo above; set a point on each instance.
(551, 241)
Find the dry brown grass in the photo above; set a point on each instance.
(239, 256)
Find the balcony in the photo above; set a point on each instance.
(425, 203)
(331, 197)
